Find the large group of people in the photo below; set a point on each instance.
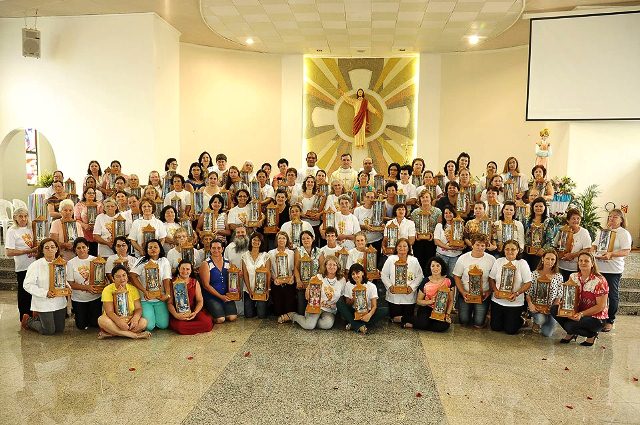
(307, 246)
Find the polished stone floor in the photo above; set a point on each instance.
(257, 372)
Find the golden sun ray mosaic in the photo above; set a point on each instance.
(390, 86)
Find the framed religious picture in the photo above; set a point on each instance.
(97, 274)
(261, 287)
(509, 190)
(121, 303)
(462, 203)
(456, 233)
(522, 211)
(371, 263)
(360, 302)
(186, 253)
(539, 293)
(485, 226)
(506, 233)
(343, 256)
(315, 295)
(391, 233)
(207, 220)
(185, 223)
(74, 198)
(159, 205)
(475, 285)
(180, 296)
(570, 299)
(224, 194)
(282, 265)
(401, 280)
(70, 186)
(137, 191)
(536, 233)
(439, 180)
(40, 230)
(244, 176)
(377, 214)
(254, 213)
(152, 281)
(234, 290)
(516, 180)
(605, 241)
(254, 189)
(493, 210)
(119, 226)
(92, 212)
(58, 278)
(148, 233)
(124, 262)
(401, 197)
(329, 218)
(440, 303)
(166, 185)
(296, 231)
(176, 202)
(318, 203)
(430, 186)
(416, 180)
(69, 230)
(564, 240)
(423, 222)
(323, 189)
(470, 191)
(306, 269)
(378, 183)
(507, 281)
(198, 202)
(271, 224)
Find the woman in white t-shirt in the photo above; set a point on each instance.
(295, 212)
(103, 228)
(611, 263)
(148, 219)
(477, 260)
(168, 216)
(506, 313)
(121, 246)
(355, 276)
(175, 254)
(85, 298)
(406, 228)
(181, 193)
(401, 303)
(581, 244)
(441, 237)
(20, 245)
(507, 215)
(347, 224)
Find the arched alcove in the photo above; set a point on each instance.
(13, 177)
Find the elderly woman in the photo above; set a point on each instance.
(64, 238)
(347, 224)
(53, 202)
(581, 244)
(148, 218)
(611, 263)
(51, 309)
(541, 184)
(132, 324)
(591, 313)
(20, 245)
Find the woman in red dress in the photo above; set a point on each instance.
(197, 320)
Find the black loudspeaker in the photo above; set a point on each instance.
(30, 43)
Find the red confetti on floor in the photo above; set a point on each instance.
(635, 379)
(568, 406)
(418, 395)
(566, 368)
(589, 398)
(190, 358)
(247, 354)
(132, 369)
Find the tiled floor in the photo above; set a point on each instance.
(293, 376)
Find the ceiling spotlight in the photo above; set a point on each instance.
(473, 39)
(249, 41)
(319, 50)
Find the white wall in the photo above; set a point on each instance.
(105, 88)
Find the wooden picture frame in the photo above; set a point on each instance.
(198, 202)
(462, 203)
(58, 285)
(416, 180)
(439, 180)
(159, 206)
(343, 257)
(329, 218)
(167, 185)
(70, 186)
(315, 296)
(224, 194)
(272, 219)
(507, 281)
(475, 292)
(148, 233)
(456, 233)
(254, 189)
(180, 296)
(97, 272)
(430, 186)
(152, 281)
(506, 233)
(119, 226)
(306, 269)
(296, 232)
(570, 299)
(401, 197)
(540, 291)
(424, 225)
(261, 287)
(40, 230)
(605, 242)
(324, 189)
(536, 235)
(377, 214)
(493, 210)
(187, 254)
(176, 203)
(234, 283)
(441, 301)
(69, 230)
(254, 209)
(185, 223)
(485, 226)
(378, 183)
(401, 280)
(137, 191)
(522, 211)
(371, 263)
(360, 302)
(509, 190)
(121, 303)
(282, 265)
(92, 212)
(208, 220)
(122, 261)
(564, 240)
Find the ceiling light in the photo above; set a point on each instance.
(473, 39)
(319, 50)
(402, 50)
(249, 41)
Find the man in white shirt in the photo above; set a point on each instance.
(310, 169)
(345, 174)
(367, 167)
(406, 186)
(364, 213)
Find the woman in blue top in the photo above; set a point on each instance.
(214, 274)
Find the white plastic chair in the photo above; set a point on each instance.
(19, 203)
(6, 220)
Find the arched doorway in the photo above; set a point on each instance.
(14, 154)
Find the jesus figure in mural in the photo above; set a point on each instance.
(361, 107)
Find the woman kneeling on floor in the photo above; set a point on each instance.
(122, 311)
(196, 320)
(356, 276)
(436, 280)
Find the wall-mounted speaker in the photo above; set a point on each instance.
(30, 43)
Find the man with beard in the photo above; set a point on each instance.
(233, 253)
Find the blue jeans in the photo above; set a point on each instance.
(613, 279)
(546, 322)
(479, 312)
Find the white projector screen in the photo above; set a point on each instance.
(584, 67)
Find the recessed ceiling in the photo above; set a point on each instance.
(359, 27)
